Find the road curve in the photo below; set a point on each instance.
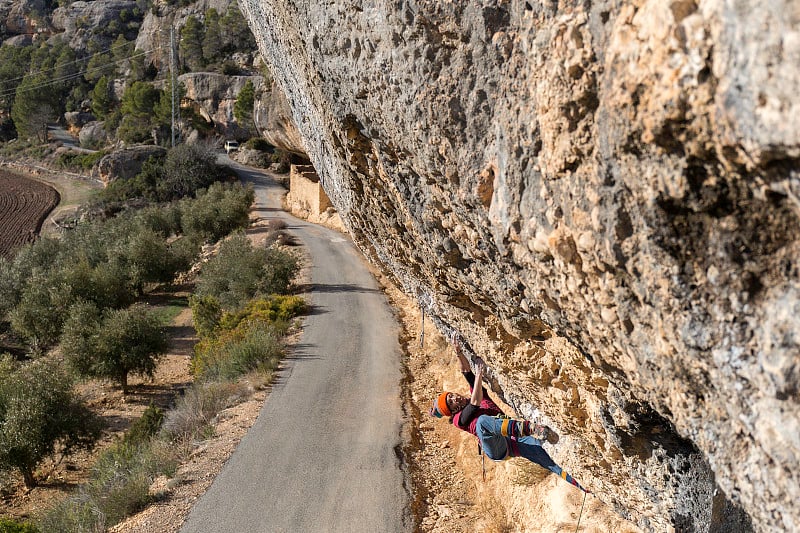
(324, 452)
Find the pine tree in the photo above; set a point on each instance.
(14, 63)
(213, 40)
(243, 107)
(35, 104)
(101, 98)
(191, 44)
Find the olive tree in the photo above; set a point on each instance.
(39, 415)
(39, 315)
(113, 345)
(217, 211)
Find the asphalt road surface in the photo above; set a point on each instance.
(324, 452)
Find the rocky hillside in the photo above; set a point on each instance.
(602, 200)
(129, 40)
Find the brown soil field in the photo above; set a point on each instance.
(24, 205)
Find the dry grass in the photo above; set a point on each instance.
(195, 411)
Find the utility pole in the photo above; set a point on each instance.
(172, 77)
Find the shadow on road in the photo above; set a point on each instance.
(316, 310)
(334, 288)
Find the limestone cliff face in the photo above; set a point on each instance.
(273, 118)
(214, 97)
(601, 198)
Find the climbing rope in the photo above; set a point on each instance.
(422, 336)
(581, 513)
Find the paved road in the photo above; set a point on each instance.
(323, 454)
(57, 133)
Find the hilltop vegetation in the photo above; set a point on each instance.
(84, 60)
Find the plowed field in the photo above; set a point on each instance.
(24, 205)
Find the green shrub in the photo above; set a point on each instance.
(283, 160)
(230, 68)
(206, 314)
(260, 144)
(277, 308)
(247, 340)
(217, 211)
(11, 285)
(182, 172)
(253, 345)
(198, 407)
(78, 160)
(145, 426)
(118, 487)
(120, 482)
(187, 169)
(164, 220)
(240, 272)
(183, 252)
(145, 256)
(7, 525)
(75, 513)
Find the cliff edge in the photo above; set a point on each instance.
(601, 199)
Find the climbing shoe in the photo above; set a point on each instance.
(539, 431)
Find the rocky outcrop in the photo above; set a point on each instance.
(273, 118)
(214, 97)
(601, 199)
(19, 41)
(93, 135)
(19, 17)
(75, 120)
(79, 20)
(127, 163)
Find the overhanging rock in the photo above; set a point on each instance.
(602, 199)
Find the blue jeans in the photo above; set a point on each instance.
(497, 447)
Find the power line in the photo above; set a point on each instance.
(84, 59)
(75, 75)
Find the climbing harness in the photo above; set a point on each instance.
(581, 513)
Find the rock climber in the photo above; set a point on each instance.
(499, 436)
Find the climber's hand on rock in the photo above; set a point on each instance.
(480, 366)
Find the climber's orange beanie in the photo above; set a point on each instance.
(439, 408)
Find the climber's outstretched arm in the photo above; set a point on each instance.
(477, 389)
